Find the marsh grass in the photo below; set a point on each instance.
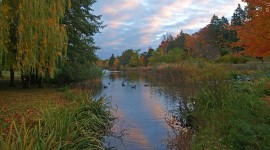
(225, 105)
(81, 126)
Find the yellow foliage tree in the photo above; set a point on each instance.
(4, 30)
(41, 38)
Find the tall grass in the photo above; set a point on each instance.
(80, 127)
(223, 111)
(232, 116)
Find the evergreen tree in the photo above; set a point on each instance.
(82, 25)
(238, 17)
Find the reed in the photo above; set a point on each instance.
(223, 105)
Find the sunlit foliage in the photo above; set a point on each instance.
(255, 34)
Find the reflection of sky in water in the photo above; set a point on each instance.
(141, 112)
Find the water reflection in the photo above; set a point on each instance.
(142, 110)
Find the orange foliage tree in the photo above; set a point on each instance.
(254, 36)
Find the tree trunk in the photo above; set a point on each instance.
(40, 82)
(11, 76)
(25, 81)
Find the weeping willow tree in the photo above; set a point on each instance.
(41, 39)
(4, 32)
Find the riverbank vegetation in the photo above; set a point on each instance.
(219, 106)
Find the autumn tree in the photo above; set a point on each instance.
(116, 64)
(200, 44)
(254, 36)
(142, 60)
(36, 39)
(180, 40)
(4, 32)
(41, 39)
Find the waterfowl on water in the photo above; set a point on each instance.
(109, 83)
(146, 84)
(123, 84)
(105, 87)
(133, 86)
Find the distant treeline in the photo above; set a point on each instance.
(221, 40)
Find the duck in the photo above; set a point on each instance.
(105, 87)
(133, 86)
(146, 84)
(109, 83)
(123, 84)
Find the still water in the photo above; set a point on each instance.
(141, 110)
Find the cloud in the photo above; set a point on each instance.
(139, 24)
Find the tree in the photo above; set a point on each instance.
(134, 59)
(4, 32)
(81, 25)
(41, 39)
(36, 40)
(254, 36)
(125, 57)
(116, 64)
(238, 18)
(111, 60)
(219, 35)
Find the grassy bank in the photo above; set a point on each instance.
(52, 119)
(222, 107)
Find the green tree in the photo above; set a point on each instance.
(238, 18)
(125, 57)
(111, 60)
(81, 25)
(134, 59)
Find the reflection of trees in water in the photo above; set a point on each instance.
(93, 88)
(113, 76)
(178, 95)
(179, 118)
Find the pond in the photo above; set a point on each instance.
(141, 107)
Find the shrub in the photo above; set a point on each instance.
(77, 72)
(232, 58)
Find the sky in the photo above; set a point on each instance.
(140, 24)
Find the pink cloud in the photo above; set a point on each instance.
(119, 6)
